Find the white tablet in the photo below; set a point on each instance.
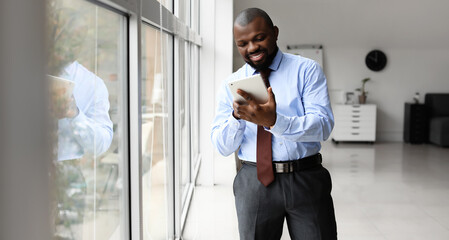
(61, 86)
(254, 85)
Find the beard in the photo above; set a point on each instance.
(266, 63)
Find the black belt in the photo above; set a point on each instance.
(294, 165)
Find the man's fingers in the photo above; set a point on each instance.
(240, 110)
(247, 96)
(271, 97)
(236, 106)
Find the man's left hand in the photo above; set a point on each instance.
(261, 114)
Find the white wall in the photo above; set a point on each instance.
(216, 19)
(413, 34)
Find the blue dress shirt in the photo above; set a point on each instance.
(90, 132)
(304, 114)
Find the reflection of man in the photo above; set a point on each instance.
(85, 128)
(282, 176)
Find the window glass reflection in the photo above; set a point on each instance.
(85, 68)
(194, 96)
(183, 117)
(156, 64)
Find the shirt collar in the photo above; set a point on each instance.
(273, 66)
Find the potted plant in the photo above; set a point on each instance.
(363, 93)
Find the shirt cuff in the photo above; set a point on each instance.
(280, 126)
(236, 124)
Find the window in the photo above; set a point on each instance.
(156, 74)
(98, 105)
(86, 73)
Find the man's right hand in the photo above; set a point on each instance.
(263, 114)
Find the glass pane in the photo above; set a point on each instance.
(156, 65)
(183, 11)
(194, 96)
(183, 103)
(187, 13)
(167, 4)
(85, 67)
(194, 15)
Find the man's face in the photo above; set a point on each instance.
(256, 42)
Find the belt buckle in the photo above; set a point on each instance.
(291, 167)
(284, 167)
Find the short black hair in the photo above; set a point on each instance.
(246, 16)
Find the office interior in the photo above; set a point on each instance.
(161, 63)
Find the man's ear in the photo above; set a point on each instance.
(276, 32)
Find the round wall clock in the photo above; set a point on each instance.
(376, 60)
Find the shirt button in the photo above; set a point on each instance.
(280, 143)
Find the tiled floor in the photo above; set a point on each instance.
(384, 191)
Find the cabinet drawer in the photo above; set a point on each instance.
(356, 123)
(354, 136)
(354, 109)
(354, 129)
(354, 133)
(354, 117)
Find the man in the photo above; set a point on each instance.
(293, 184)
(84, 125)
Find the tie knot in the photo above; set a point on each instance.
(265, 73)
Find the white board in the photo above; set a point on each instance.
(314, 52)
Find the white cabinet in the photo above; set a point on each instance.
(354, 123)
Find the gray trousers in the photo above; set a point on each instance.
(302, 198)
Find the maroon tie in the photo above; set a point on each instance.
(264, 158)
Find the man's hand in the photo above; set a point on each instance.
(263, 114)
(63, 107)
